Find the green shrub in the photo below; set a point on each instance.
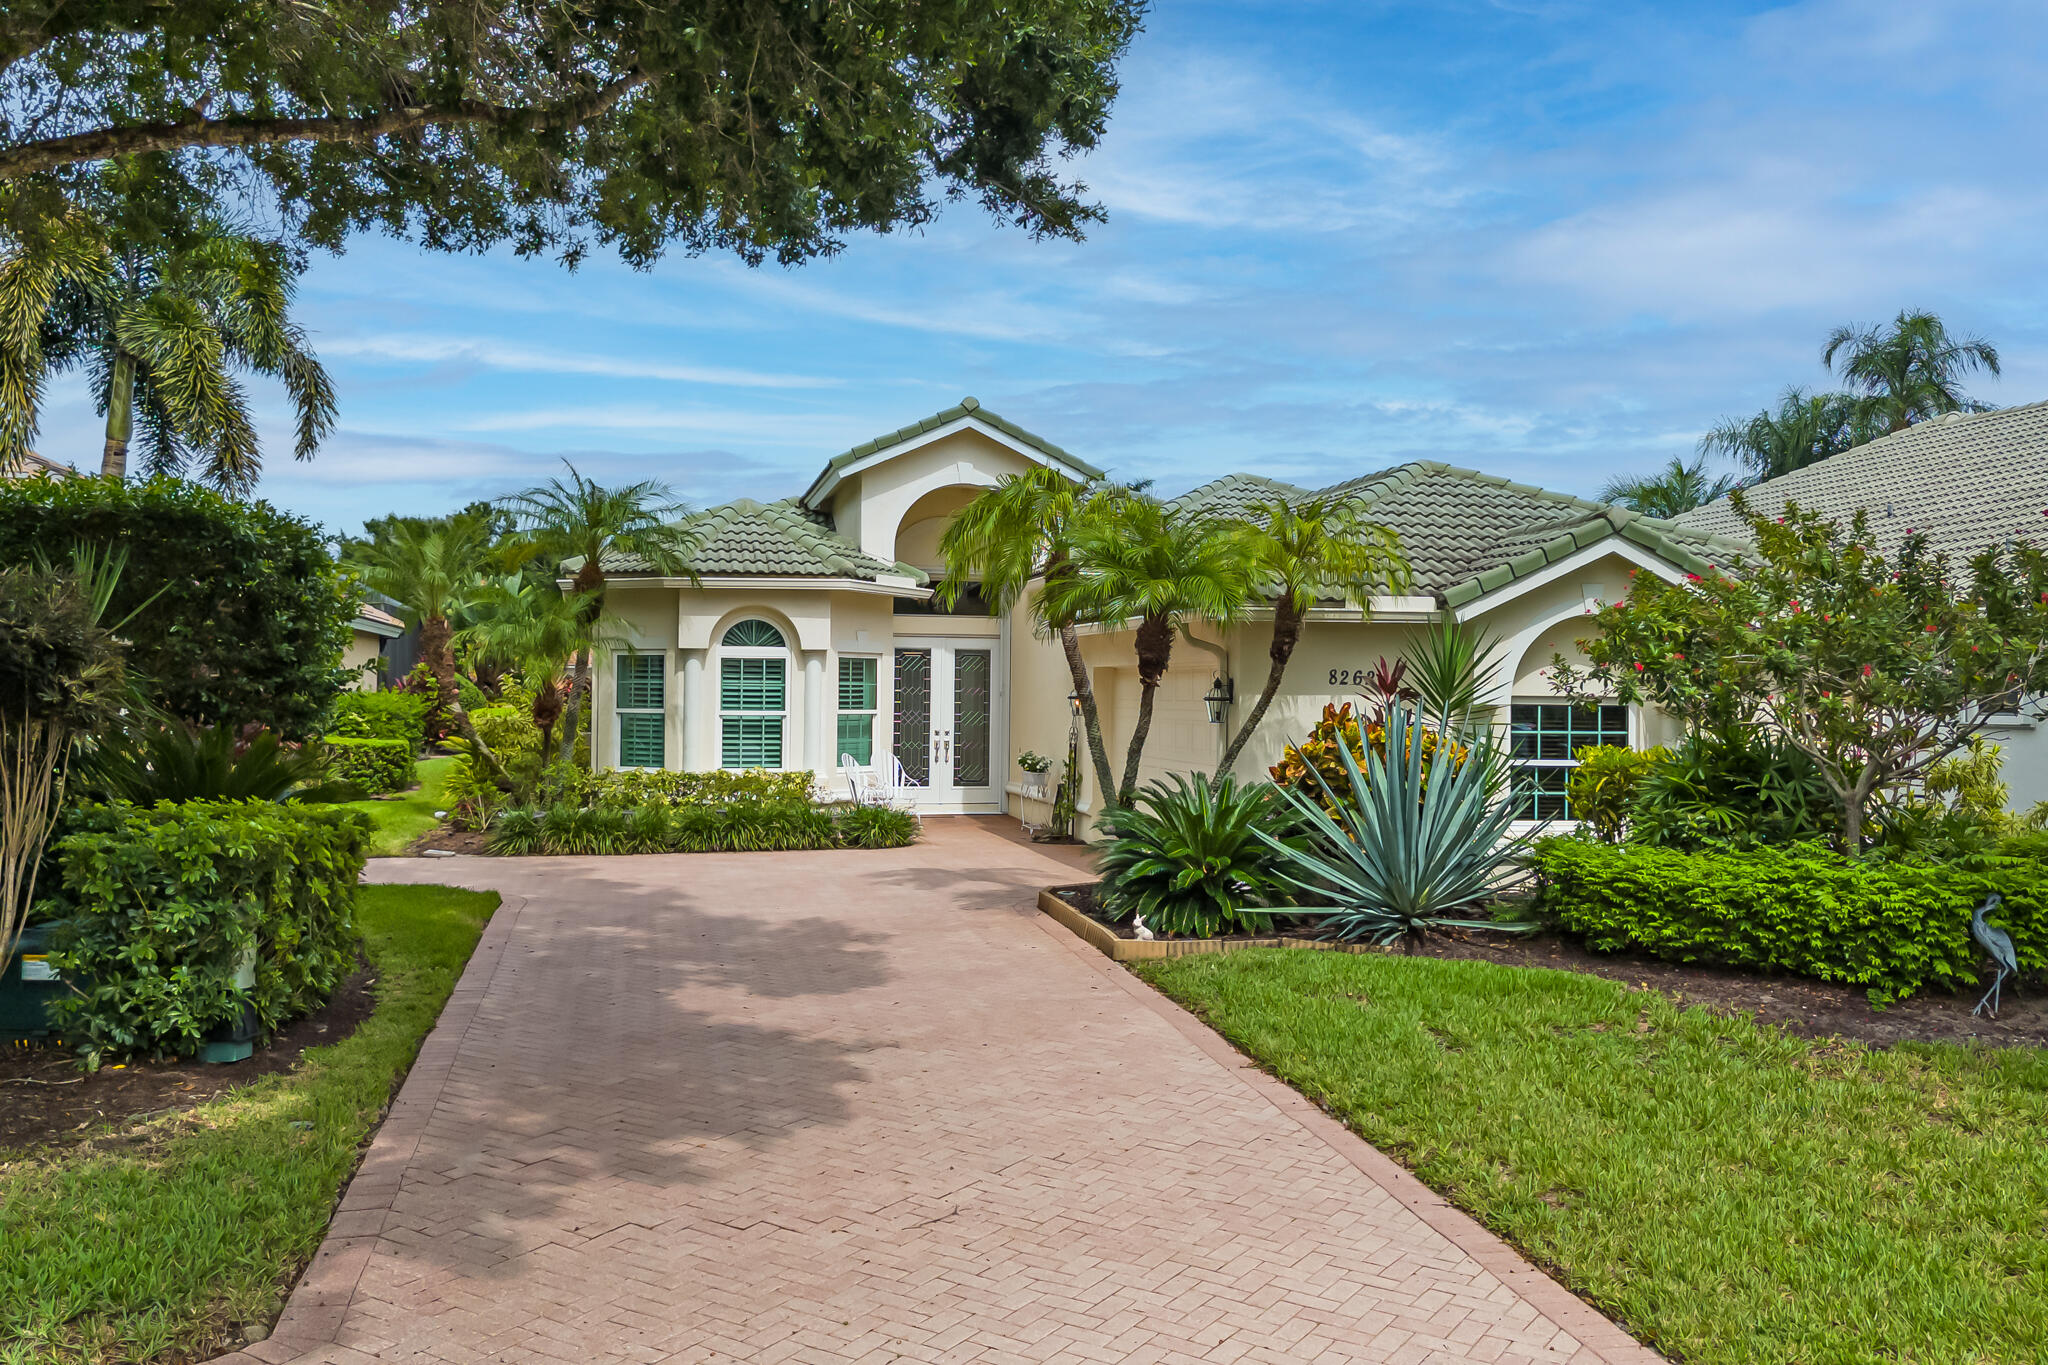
(569, 829)
(1891, 927)
(716, 787)
(376, 765)
(379, 715)
(876, 827)
(1715, 791)
(247, 614)
(1190, 861)
(1604, 783)
(161, 907)
(172, 763)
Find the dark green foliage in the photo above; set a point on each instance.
(378, 715)
(247, 614)
(718, 786)
(758, 128)
(375, 765)
(159, 908)
(172, 763)
(1712, 791)
(1604, 784)
(1190, 861)
(57, 662)
(876, 827)
(656, 827)
(1891, 927)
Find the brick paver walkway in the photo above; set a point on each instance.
(869, 1107)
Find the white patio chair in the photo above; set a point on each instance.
(861, 783)
(896, 788)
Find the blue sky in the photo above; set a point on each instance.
(1553, 241)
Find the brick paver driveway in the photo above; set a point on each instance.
(869, 1107)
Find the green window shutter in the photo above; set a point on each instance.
(750, 685)
(754, 635)
(641, 683)
(856, 684)
(857, 736)
(752, 742)
(642, 740)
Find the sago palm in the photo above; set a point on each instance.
(164, 324)
(1135, 561)
(1907, 372)
(583, 520)
(1678, 487)
(1299, 553)
(1009, 537)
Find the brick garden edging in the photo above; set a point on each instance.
(1594, 1329)
(1119, 949)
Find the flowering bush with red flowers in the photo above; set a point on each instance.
(1875, 666)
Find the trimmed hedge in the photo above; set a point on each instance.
(379, 715)
(1890, 927)
(376, 765)
(159, 908)
(754, 786)
(779, 827)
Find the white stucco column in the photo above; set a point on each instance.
(814, 709)
(690, 716)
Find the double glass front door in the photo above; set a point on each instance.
(948, 730)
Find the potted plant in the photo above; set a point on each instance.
(1035, 767)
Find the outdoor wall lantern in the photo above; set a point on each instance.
(1219, 696)
(1074, 701)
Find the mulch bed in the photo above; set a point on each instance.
(1812, 1009)
(449, 841)
(45, 1097)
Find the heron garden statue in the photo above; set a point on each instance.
(1998, 943)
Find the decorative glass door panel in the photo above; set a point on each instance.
(914, 713)
(949, 722)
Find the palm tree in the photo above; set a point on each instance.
(435, 571)
(1134, 559)
(1009, 537)
(163, 320)
(1806, 428)
(1678, 487)
(1299, 553)
(1909, 372)
(585, 521)
(534, 629)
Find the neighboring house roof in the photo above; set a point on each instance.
(776, 539)
(374, 620)
(1969, 480)
(28, 464)
(965, 408)
(1467, 534)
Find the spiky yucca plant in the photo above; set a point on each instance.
(1410, 844)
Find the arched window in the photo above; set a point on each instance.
(753, 695)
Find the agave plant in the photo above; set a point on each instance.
(1407, 848)
(1191, 860)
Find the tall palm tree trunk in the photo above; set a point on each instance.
(120, 417)
(1286, 635)
(1155, 652)
(436, 646)
(1091, 717)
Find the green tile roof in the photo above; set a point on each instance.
(778, 538)
(963, 408)
(1467, 534)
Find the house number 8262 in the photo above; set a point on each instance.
(1347, 677)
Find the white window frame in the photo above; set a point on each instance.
(782, 654)
(1515, 765)
(874, 662)
(619, 713)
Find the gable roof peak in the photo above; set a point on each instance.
(968, 409)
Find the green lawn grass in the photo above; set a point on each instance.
(1732, 1194)
(404, 818)
(164, 1233)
